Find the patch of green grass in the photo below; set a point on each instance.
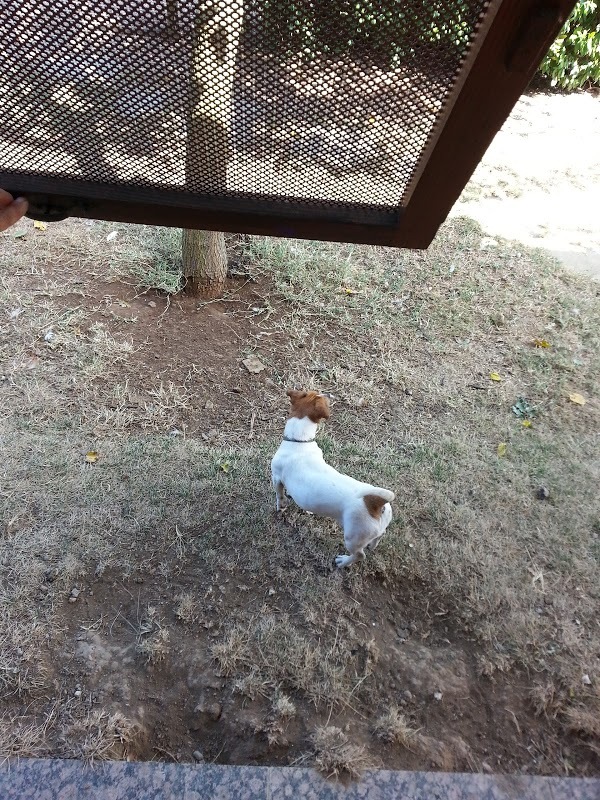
(152, 255)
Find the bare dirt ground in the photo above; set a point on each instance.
(153, 605)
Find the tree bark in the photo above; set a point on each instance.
(216, 37)
(204, 262)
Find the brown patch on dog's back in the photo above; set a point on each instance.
(374, 505)
(309, 404)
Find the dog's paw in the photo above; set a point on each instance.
(343, 561)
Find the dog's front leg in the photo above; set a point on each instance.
(345, 561)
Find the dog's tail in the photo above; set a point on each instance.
(375, 500)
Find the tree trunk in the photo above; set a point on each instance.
(204, 262)
(216, 37)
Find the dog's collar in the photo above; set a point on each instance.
(298, 441)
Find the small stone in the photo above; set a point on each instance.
(403, 634)
(271, 592)
(486, 767)
(211, 710)
(209, 405)
(152, 304)
(542, 493)
(75, 593)
(77, 693)
(586, 680)
(253, 364)
(407, 694)
(498, 319)
(49, 336)
(437, 695)
(51, 574)
(487, 242)
(198, 756)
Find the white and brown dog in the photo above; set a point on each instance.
(298, 468)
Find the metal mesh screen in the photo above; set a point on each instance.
(311, 103)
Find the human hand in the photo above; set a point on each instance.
(11, 210)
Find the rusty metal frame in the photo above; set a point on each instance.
(514, 37)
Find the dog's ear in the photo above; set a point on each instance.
(320, 409)
(295, 395)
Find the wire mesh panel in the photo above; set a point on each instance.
(298, 107)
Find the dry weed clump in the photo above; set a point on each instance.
(101, 736)
(335, 756)
(393, 728)
(155, 648)
(545, 699)
(282, 711)
(187, 610)
(586, 721)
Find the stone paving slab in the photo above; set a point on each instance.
(51, 779)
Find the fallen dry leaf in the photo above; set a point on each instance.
(494, 376)
(348, 290)
(225, 467)
(541, 343)
(526, 423)
(577, 398)
(253, 364)
(31, 362)
(40, 226)
(502, 449)
(91, 457)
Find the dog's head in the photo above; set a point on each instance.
(313, 405)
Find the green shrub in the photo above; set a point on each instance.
(573, 61)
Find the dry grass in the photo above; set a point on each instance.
(283, 706)
(154, 649)
(408, 356)
(276, 722)
(273, 647)
(335, 756)
(393, 728)
(545, 699)
(187, 609)
(583, 720)
(21, 738)
(100, 736)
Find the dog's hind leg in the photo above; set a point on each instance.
(374, 542)
(280, 501)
